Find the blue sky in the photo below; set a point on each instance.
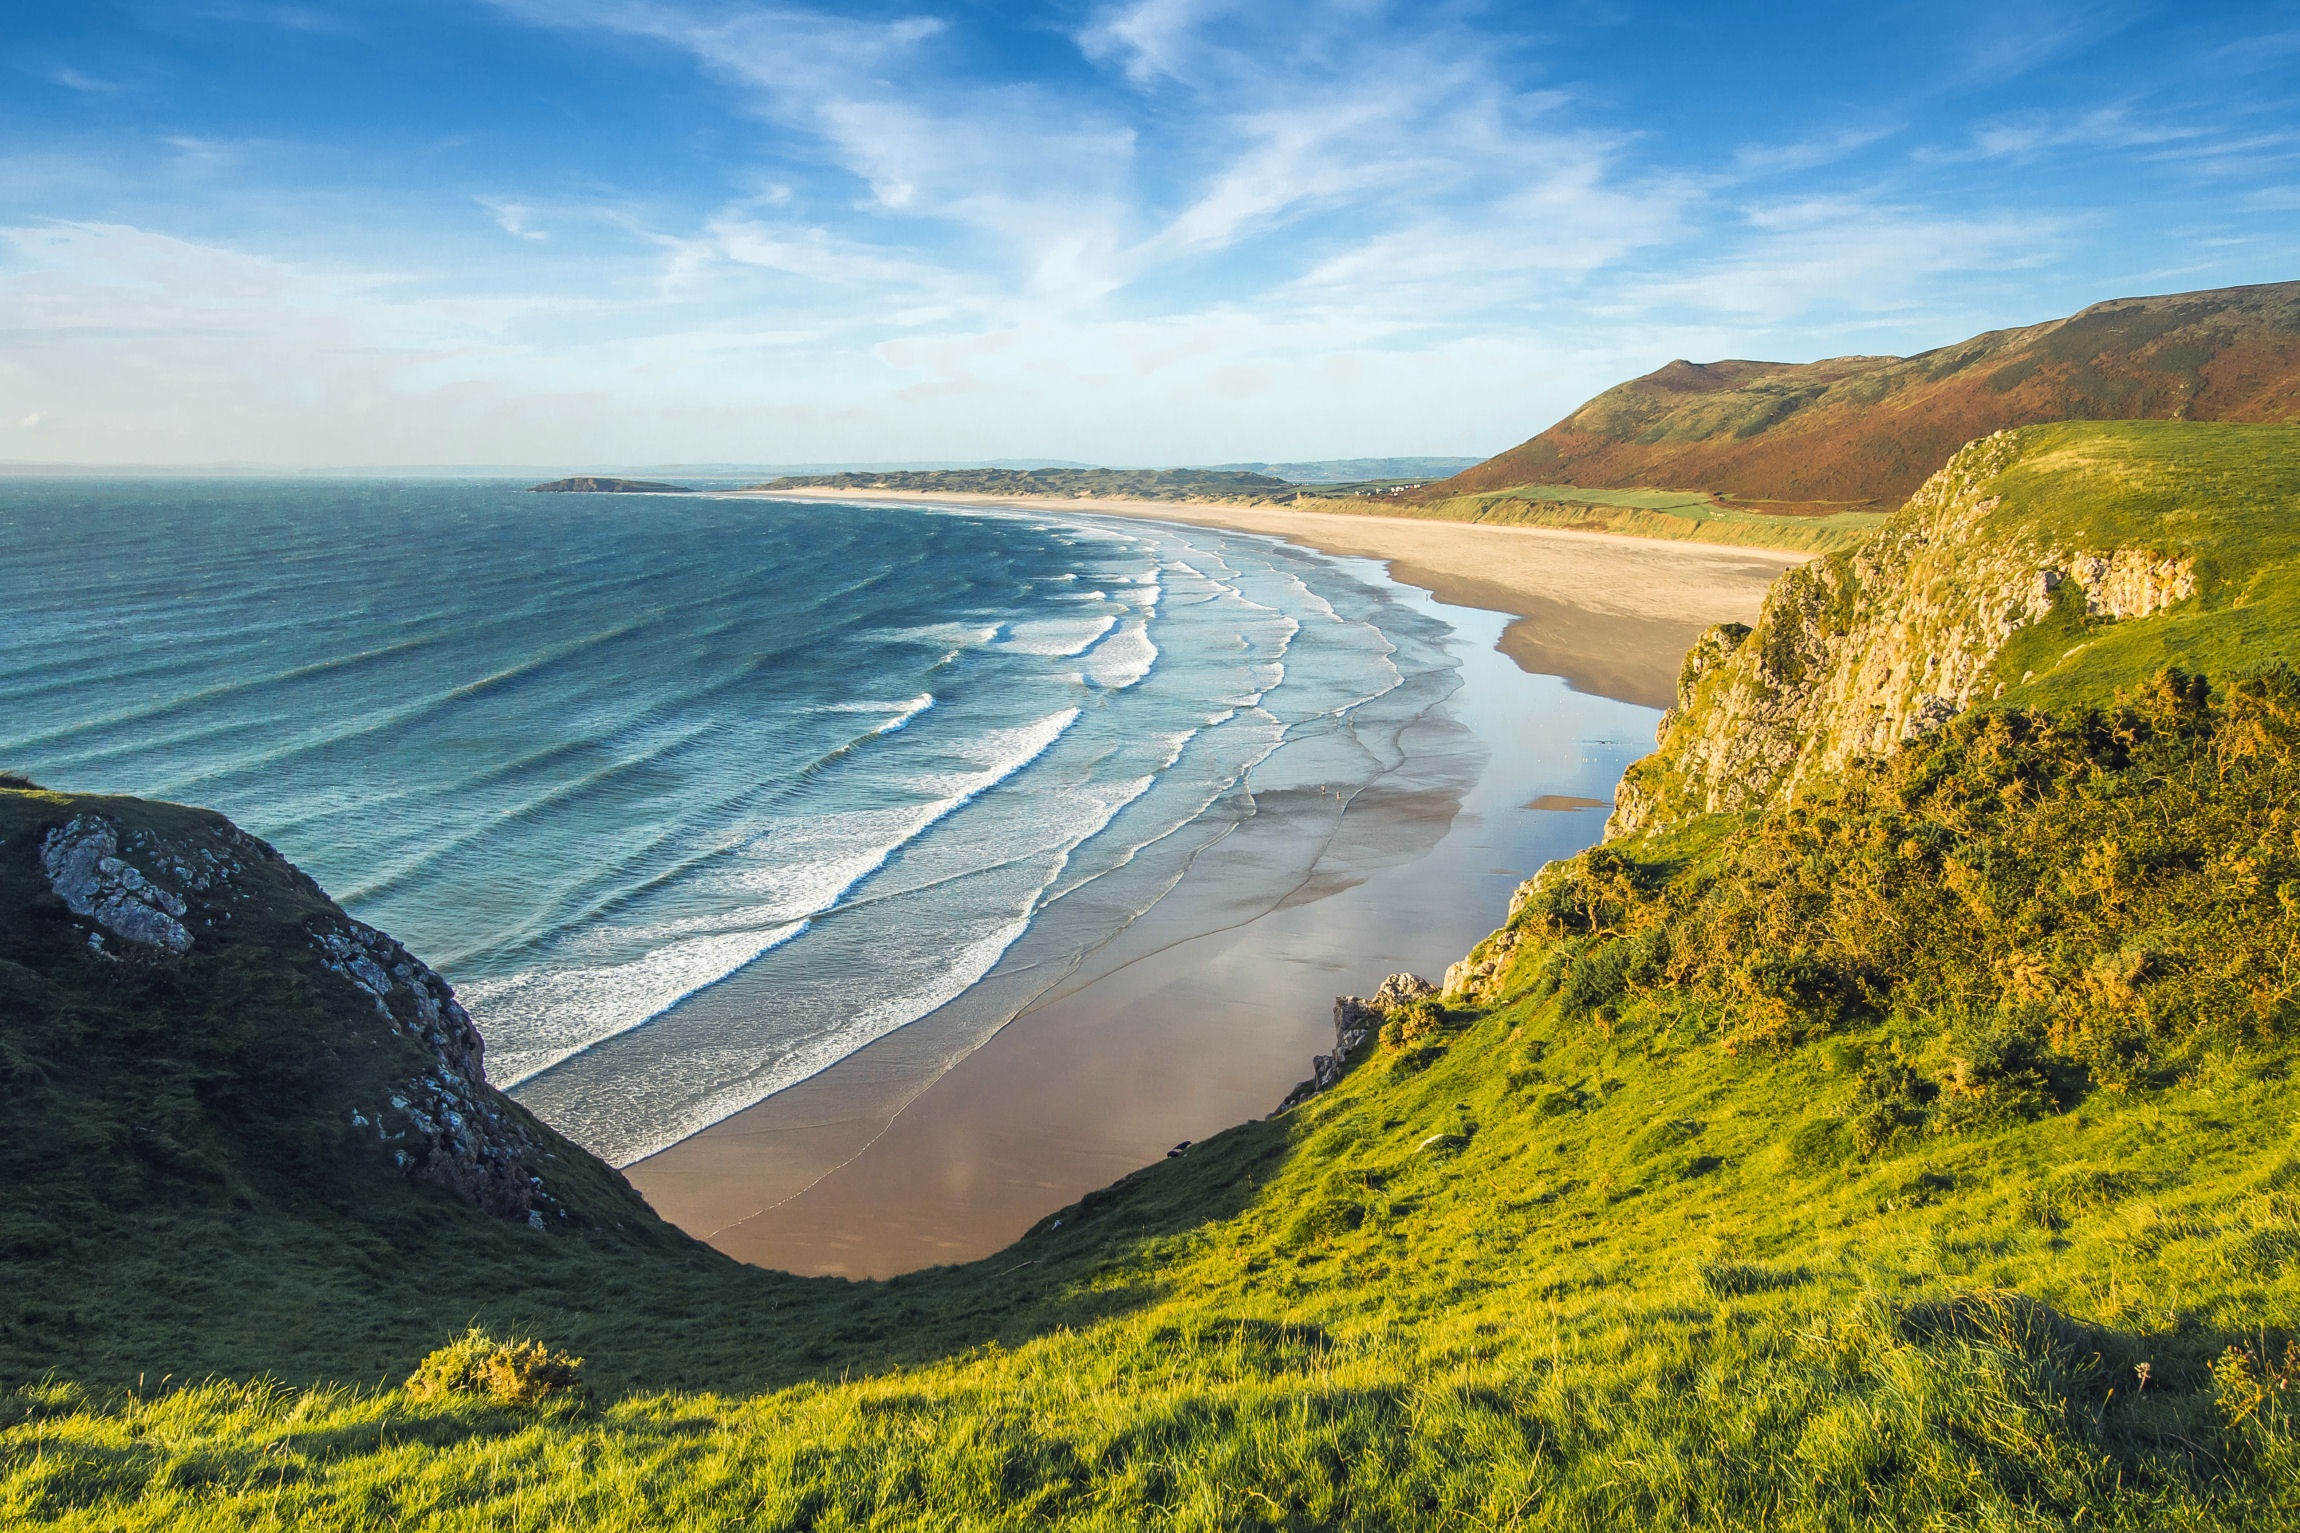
(1169, 231)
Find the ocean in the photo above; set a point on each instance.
(691, 796)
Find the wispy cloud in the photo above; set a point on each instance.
(1137, 230)
(2099, 130)
(73, 79)
(514, 218)
(1801, 155)
(2017, 37)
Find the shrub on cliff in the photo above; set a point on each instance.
(2035, 904)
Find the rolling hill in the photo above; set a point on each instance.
(1861, 433)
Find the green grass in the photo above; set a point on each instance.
(1662, 1232)
(1690, 502)
(2225, 496)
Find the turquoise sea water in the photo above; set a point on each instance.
(690, 796)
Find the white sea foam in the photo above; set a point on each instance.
(1122, 659)
(1059, 637)
(870, 1019)
(964, 635)
(764, 896)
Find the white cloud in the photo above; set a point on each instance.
(1148, 39)
(514, 218)
(2103, 128)
(1218, 231)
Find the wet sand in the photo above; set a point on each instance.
(919, 1149)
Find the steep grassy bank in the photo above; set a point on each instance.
(2052, 565)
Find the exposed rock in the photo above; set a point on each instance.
(1861, 652)
(82, 861)
(1401, 988)
(1356, 1020)
(446, 1125)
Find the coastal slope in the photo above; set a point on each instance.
(2049, 565)
(1908, 1145)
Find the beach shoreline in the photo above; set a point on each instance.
(906, 1153)
(1611, 614)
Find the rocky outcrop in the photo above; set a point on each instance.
(82, 860)
(1473, 979)
(1857, 653)
(151, 895)
(1357, 1019)
(445, 1125)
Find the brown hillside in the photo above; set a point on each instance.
(1869, 430)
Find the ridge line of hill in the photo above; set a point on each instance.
(1823, 449)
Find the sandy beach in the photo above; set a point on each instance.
(921, 1149)
(1612, 615)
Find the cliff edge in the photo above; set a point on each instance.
(2043, 566)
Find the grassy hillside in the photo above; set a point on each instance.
(198, 1183)
(1854, 433)
(1915, 1151)
(2049, 566)
(2226, 497)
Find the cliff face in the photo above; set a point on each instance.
(2048, 533)
(1866, 431)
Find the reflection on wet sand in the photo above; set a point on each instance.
(923, 1148)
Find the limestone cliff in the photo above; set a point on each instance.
(1858, 652)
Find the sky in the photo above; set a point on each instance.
(623, 232)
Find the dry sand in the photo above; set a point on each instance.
(911, 1152)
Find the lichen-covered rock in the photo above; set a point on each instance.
(82, 860)
(1856, 654)
(1401, 988)
(445, 1125)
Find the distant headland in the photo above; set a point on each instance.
(592, 484)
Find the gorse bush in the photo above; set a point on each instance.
(2031, 905)
(477, 1366)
